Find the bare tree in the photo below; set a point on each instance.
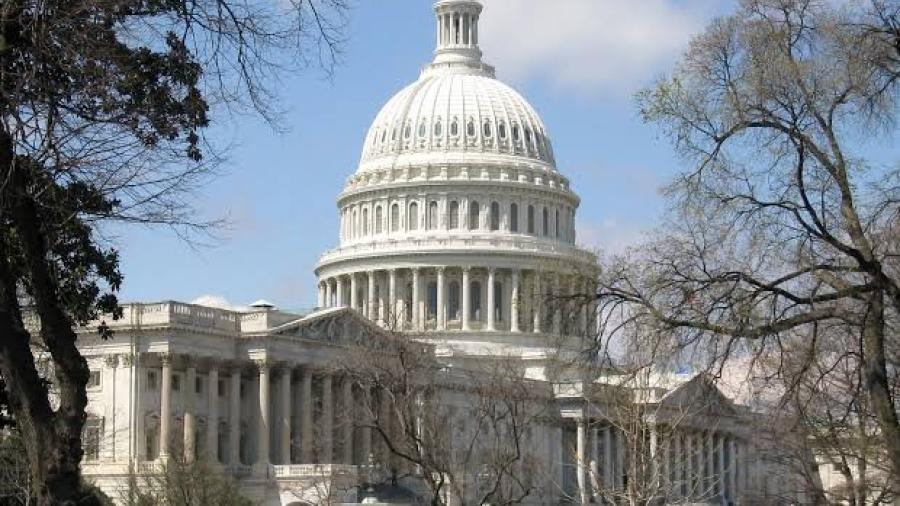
(781, 223)
(181, 482)
(816, 390)
(452, 436)
(103, 106)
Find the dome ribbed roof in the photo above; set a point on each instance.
(456, 107)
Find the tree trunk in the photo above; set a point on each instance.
(52, 438)
(876, 381)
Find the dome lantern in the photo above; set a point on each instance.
(457, 34)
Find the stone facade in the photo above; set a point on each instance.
(457, 230)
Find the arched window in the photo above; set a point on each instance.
(556, 223)
(407, 130)
(395, 217)
(431, 306)
(413, 217)
(432, 215)
(394, 134)
(470, 128)
(501, 130)
(487, 129)
(530, 219)
(438, 128)
(422, 127)
(354, 227)
(474, 215)
(453, 215)
(498, 301)
(513, 217)
(545, 222)
(379, 224)
(383, 135)
(454, 127)
(475, 298)
(365, 222)
(495, 216)
(515, 130)
(528, 141)
(453, 301)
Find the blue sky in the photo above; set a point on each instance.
(578, 62)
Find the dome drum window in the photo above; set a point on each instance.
(438, 128)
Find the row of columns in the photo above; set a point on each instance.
(386, 305)
(284, 427)
(455, 28)
(688, 464)
(537, 218)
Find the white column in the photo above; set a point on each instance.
(557, 304)
(584, 302)
(416, 318)
(212, 414)
(382, 305)
(306, 415)
(441, 301)
(366, 437)
(262, 443)
(234, 418)
(514, 302)
(347, 422)
(190, 422)
(353, 290)
(165, 406)
(466, 298)
(608, 474)
(328, 301)
(732, 471)
(621, 450)
(537, 301)
(710, 463)
(285, 391)
(138, 437)
(720, 466)
(321, 300)
(392, 299)
(490, 299)
(690, 472)
(595, 462)
(655, 467)
(580, 459)
(339, 288)
(327, 421)
(370, 298)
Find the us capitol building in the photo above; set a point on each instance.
(456, 230)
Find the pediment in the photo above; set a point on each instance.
(698, 395)
(333, 325)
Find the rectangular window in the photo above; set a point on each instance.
(221, 388)
(198, 385)
(94, 379)
(176, 383)
(93, 428)
(151, 380)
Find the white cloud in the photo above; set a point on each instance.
(216, 301)
(596, 45)
(609, 235)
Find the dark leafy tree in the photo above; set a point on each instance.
(102, 108)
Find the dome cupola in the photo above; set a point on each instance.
(457, 110)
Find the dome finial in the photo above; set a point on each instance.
(457, 32)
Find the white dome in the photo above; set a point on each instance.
(456, 111)
(452, 110)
